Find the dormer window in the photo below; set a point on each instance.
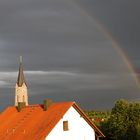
(65, 126)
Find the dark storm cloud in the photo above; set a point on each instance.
(121, 18)
(66, 57)
(94, 89)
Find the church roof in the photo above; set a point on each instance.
(33, 123)
(21, 78)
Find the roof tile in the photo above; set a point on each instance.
(33, 123)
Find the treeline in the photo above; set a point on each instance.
(98, 116)
(121, 123)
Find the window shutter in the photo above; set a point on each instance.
(65, 126)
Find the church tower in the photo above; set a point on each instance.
(21, 92)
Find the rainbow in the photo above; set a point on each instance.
(121, 52)
(115, 44)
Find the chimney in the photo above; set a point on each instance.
(20, 106)
(47, 104)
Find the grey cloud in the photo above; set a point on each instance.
(66, 56)
(121, 19)
(74, 80)
(81, 87)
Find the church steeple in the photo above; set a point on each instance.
(21, 93)
(21, 78)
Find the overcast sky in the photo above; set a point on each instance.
(66, 56)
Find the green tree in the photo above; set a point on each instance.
(133, 130)
(124, 121)
(118, 120)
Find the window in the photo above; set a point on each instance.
(17, 98)
(23, 98)
(65, 126)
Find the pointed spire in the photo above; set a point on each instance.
(21, 78)
(20, 59)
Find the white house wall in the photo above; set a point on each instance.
(79, 129)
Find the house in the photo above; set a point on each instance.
(98, 120)
(47, 121)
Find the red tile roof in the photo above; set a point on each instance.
(32, 123)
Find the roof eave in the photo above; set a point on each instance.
(100, 134)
